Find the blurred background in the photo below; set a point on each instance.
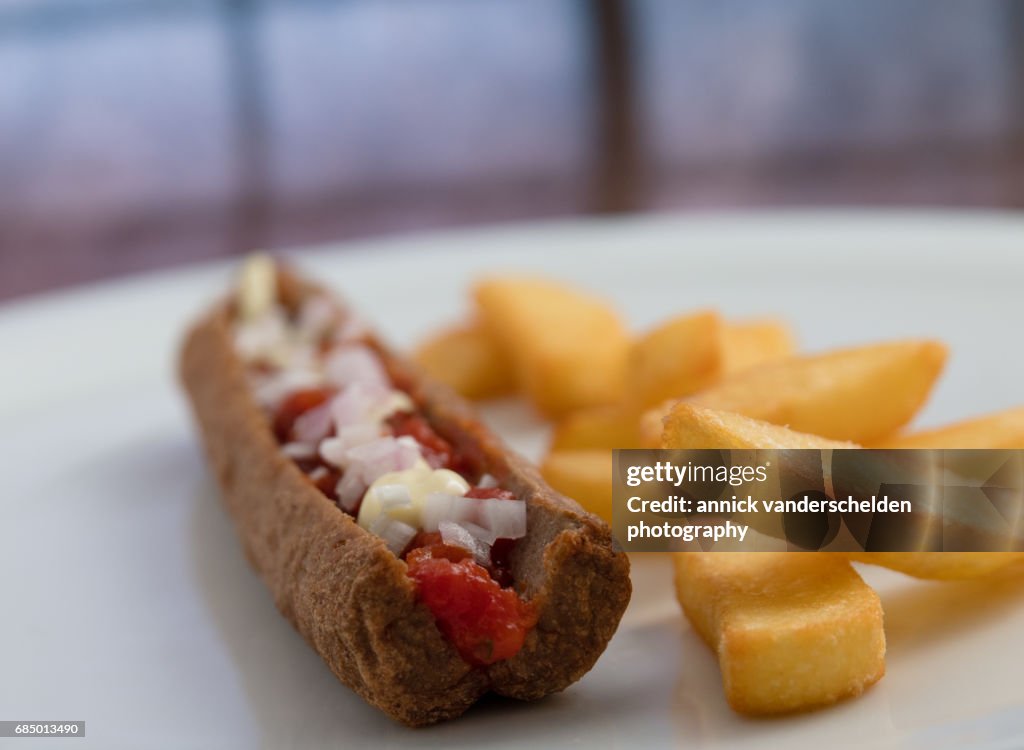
(141, 134)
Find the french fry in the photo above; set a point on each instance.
(745, 345)
(598, 427)
(748, 343)
(469, 360)
(583, 475)
(652, 423)
(941, 566)
(568, 348)
(860, 394)
(792, 631)
(677, 358)
(694, 427)
(688, 426)
(1004, 429)
(1000, 430)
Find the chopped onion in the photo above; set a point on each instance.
(396, 534)
(317, 316)
(506, 519)
(355, 364)
(370, 402)
(382, 447)
(396, 402)
(487, 482)
(264, 336)
(318, 473)
(299, 451)
(479, 532)
(350, 491)
(382, 456)
(437, 507)
(352, 328)
(313, 426)
(357, 434)
(408, 453)
(447, 506)
(334, 450)
(356, 402)
(452, 533)
(272, 389)
(305, 357)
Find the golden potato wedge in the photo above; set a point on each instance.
(677, 358)
(792, 631)
(568, 348)
(652, 423)
(598, 427)
(942, 566)
(1004, 429)
(860, 394)
(694, 427)
(745, 344)
(688, 426)
(583, 475)
(748, 343)
(1000, 430)
(468, 359)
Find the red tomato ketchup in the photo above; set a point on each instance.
(293, 407)
(484, 622)
(483, 493)
(437, 451)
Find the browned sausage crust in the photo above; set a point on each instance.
(350, 597)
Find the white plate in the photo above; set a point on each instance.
(127, 604)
